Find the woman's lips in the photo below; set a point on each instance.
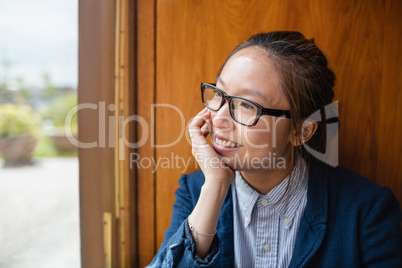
(221, 145)
(226, 143)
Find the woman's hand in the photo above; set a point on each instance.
(218, 177)
(211, 163)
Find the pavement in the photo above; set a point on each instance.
(39, 215)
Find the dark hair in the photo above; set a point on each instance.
(307, 82)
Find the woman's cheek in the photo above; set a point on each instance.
(257, 141)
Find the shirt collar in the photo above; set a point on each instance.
(288, 205)
(247, 197)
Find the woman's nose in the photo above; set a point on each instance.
(222, 118)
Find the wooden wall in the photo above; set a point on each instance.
(183, 43)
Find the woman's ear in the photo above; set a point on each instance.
(307, 132)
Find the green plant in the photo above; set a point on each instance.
(58, 109)
(18, 121)
(49, 89)
(45, 147)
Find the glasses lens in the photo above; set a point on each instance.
(211, 97)
(244, 111)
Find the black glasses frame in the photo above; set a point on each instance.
(261, 110)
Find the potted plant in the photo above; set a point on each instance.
(19, 129)
(56, 114)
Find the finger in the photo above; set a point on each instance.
(205, 129)
(204, 110)
(199, 120)
(198, 130)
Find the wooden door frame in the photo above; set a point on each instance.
(95, 81)
(106, 93)
(146, 88)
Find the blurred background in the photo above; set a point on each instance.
(39, 212)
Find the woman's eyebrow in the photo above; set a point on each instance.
(246, 91)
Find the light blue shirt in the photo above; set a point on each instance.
(264, 233)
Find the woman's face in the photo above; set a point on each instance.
(250, 74)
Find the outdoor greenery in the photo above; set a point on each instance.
(45, 148)
(40, 113)
(18, 121)
(57, 110)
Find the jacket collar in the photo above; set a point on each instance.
(313, 224)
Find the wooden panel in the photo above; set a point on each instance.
(389, 169)
(106, 81)
(95, 85)
(124, 177)
(145, 98)
(360, 38)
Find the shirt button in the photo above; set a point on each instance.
(247, 219)
(264, 202)
(267, 247)
(286, 221)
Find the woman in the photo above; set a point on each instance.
(260, 199)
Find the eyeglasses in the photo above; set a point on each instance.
(243, 111)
